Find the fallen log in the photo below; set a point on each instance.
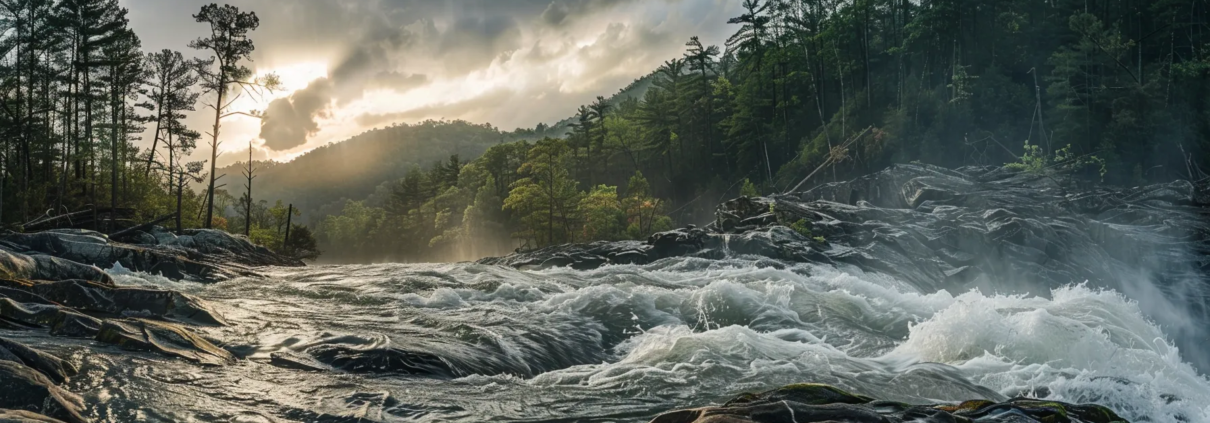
(143, 227)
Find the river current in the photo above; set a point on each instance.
(624, 343)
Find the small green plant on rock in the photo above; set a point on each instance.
(802, 227)
(820, 240)
(1034, 160)
(749, 189)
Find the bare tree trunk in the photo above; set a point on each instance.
(218, 115)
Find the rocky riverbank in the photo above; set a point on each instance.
(52, 281)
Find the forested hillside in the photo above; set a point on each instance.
(1116, 90)
(323, 178)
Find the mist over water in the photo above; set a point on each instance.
(628, 342)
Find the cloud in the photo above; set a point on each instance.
(452, 110)
(561, 12)
(288, 122)
(510, 63)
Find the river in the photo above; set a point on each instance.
(624, 343)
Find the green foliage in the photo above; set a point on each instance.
(749, 189)
(545, 198)
(803, 227)
(1032, 161)
(604, 218)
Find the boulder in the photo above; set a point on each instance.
(27, 389)
(163, 338)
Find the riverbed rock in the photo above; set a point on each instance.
(809, 403)
(27, 389)
(374, 359)
(22, 416)
(163, 338)
(58, 370)
(222, 247)
(93, 248)
(123, 301)
(14, 265)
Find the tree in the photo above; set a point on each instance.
(603, 215)
(546, 197)
(644, 213)
(229, 43)
(245, 203)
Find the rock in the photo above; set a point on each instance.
(807, 403)
(14, 265)
(32, 315)
(164, 338)
(142, 302)
(222, 247)
(22, 416)
(24, 388)
(93, 248)
(290, 360)
(74, 325)
(53, 367)
(377, 359)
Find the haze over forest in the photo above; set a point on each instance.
(632, 117)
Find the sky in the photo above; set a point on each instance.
(348, 66)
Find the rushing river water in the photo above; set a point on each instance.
(624, 343)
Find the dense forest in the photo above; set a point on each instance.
(832, 88)
(1117, 90)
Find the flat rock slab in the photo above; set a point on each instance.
(163, 338)
(22, 416)
(121, 301)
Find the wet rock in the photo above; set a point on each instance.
(806, 403)
(291, 360)
(74, 325)
(53, 367)
(378, 359)
(27, 389)
(15, 265)
(22, 416)
(222, 247)
(164, 338)
(143, 302)
(32, 315)
(93, 248)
